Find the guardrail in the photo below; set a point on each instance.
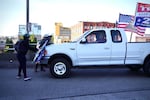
(10, 47)
(9, 53)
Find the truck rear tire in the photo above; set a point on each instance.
(146, 68)
(60, 68)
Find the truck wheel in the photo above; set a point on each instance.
(146, 68)
(60, 68)
(134, 68)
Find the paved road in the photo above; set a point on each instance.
(84, 84)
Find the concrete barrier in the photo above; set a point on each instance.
(12, 56)
(9, 60)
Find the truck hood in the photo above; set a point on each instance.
(64, 48)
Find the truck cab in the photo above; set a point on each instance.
(107, 47)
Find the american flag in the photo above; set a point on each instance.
(40, 53)
(126, 22)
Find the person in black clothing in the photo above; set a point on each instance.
(23, 48)
(46, 37)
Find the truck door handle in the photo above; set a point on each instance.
(106, 48)
(72, 48)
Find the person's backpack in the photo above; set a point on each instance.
(17, 45)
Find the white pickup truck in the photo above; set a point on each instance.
(98, 47)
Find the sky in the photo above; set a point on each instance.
(69, 12)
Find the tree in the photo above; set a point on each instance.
(33, 39)
(9, 44)
(8, 40)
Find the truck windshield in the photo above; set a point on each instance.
(80, 37)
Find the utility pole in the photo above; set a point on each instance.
(27, 16)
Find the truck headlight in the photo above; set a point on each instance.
(45, 52)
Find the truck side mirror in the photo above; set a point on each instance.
(83, 40)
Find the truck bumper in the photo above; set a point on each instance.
(44, 60)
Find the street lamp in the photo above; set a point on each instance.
(27, 17)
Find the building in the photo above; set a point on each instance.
(22, 30)
(145, 38)
(82, 26)
(62, 34)
(34, 29)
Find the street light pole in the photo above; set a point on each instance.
(27, 16)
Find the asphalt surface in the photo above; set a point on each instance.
(83, 84)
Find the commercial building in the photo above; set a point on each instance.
(62, 34)
(22, 30)
(34, 29)
(145, 38)
(82, 26)
(65, 34)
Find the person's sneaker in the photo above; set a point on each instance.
(18, 77)
(27, 78)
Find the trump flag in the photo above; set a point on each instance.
(142, 16)
(126, 22)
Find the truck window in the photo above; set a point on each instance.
(116, 36)
(96, 37)
(91, 38)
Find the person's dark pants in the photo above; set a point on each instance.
(22, 64)
(36, 67)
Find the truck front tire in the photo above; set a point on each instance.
(146, 68)
(60, 68)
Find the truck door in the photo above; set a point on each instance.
(118, 47)
(96, 50)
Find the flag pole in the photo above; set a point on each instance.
(131, 36)
(116, 24)
(133, 24)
